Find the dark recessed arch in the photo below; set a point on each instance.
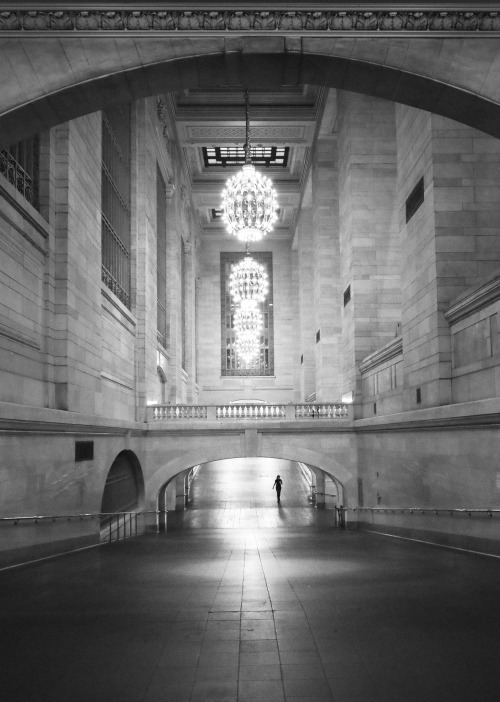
(124, 487)
(251, 70)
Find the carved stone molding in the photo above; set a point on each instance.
(161, 110)
(282, 21)
(267, 134)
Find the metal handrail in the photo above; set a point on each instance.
(69, 517)
(426, 510)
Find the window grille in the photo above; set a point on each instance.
(161, 259)
(235, 156)
(230, 365)
(115, 201)
(20, 164)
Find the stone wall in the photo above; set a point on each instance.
(449, 244)
(369, 237)
(432, 466)
(475, 342)
(25, 349)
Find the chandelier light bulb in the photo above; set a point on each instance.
(247, 319)
(248, 284)
(248, 346)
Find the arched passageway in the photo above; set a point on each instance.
(239, 493)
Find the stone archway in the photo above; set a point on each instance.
(101, 72)
(180, 465)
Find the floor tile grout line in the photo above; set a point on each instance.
(272, 612)
(207, 620)
(308, 624)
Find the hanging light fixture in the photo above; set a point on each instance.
(248, 283)
(247, 346)
(249, 201)
(247, 320)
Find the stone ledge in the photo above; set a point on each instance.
(479, 297)
(475, 413)
(386, 353)
(274, 426)
(15, 417)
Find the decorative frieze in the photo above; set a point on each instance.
(454, 21)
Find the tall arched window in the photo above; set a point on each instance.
(161, 259)
(115, 201)
(230, 364)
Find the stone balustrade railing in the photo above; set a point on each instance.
(326, 410)
(250, 411)
(305, 411)
(159, 412)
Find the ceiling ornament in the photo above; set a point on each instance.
(306, 20)
(249, 201)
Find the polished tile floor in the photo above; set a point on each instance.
(294, 611)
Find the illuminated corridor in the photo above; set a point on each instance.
(238, 494)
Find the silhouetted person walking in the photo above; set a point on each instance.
(277, 484)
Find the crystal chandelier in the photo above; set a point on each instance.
(247, 320)
(248, 346)
(248, 282)
(249, 201)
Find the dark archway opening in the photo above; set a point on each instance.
(123, 493)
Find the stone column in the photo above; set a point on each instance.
(143, 238)
(77, 271)
(327, 285)
(306, 304)
(320, 488)
(369, 236)
(190, 321)
(180, 490)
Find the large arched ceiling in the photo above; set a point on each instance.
(59, 65)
